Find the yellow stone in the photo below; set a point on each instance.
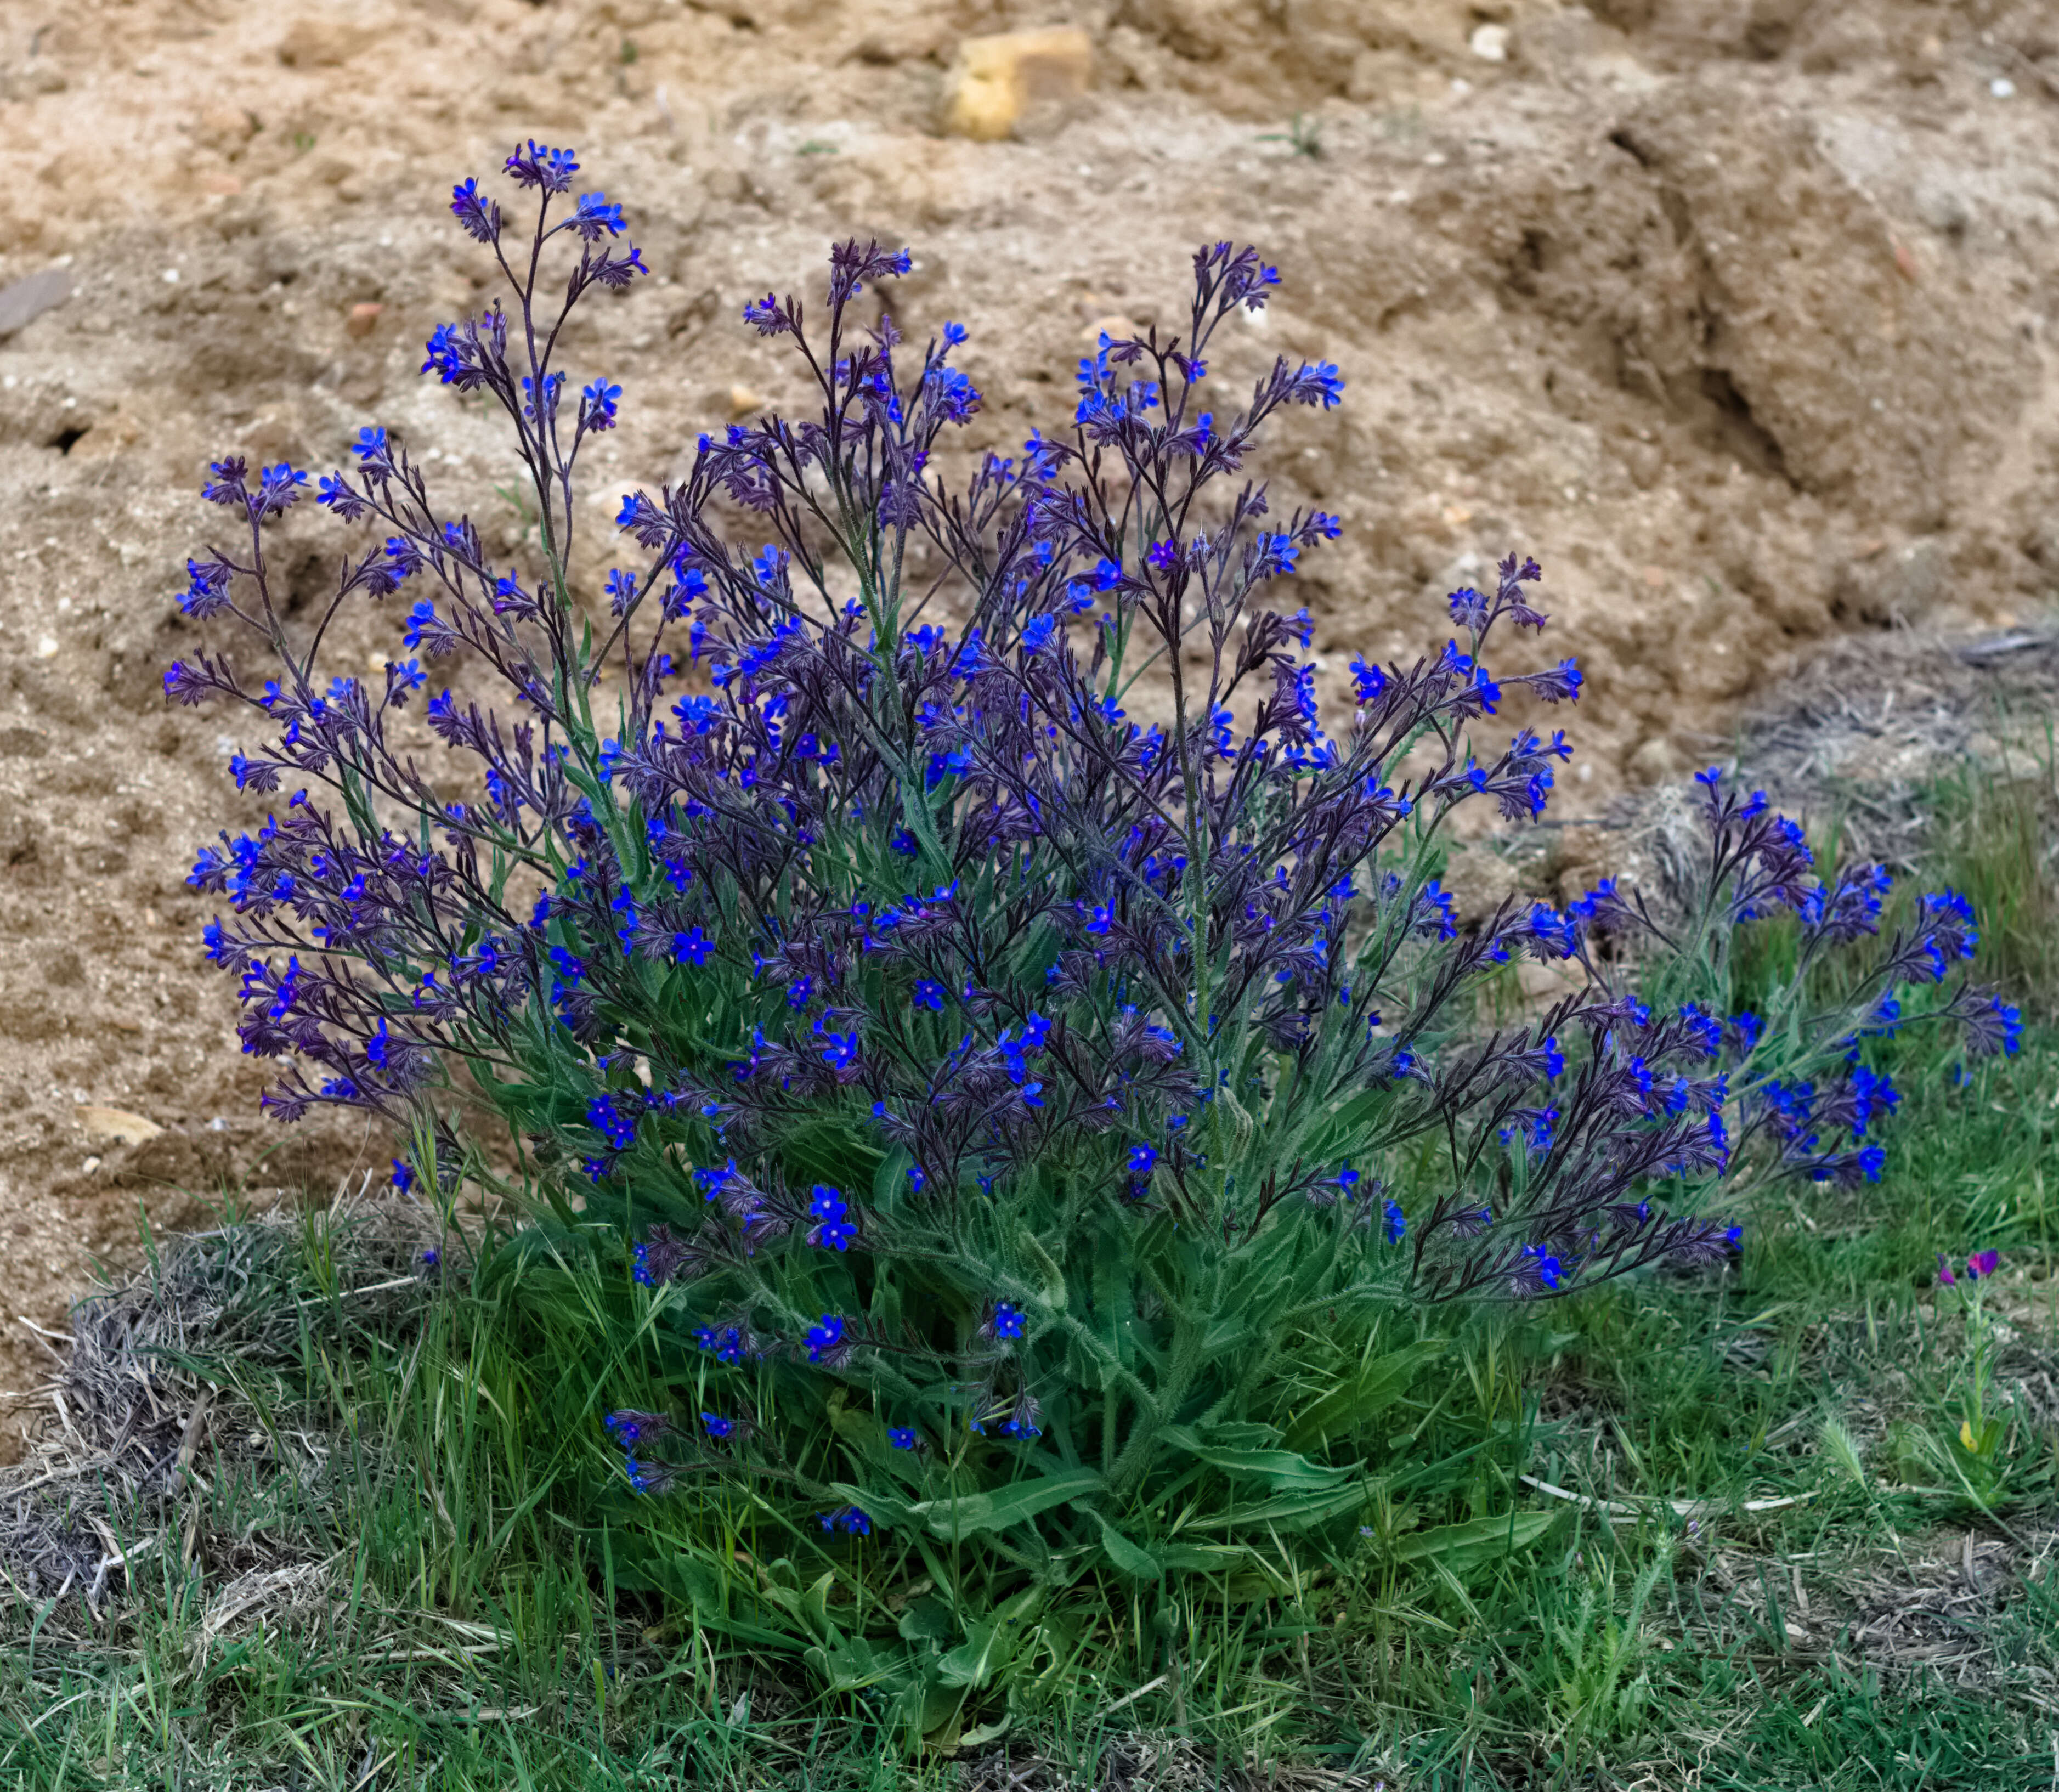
(116, 1123)
(1001, 79)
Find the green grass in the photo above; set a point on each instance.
(462, 1605)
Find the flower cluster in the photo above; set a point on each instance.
(1979, 1266)
(943, 934)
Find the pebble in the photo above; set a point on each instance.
(116, 1123)
(2002, 87)
(1490, 43)
(1001, 80)
(26, 300)
(313, 42)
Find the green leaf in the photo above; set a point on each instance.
(1289, 1511)
(1288, 1472)
(877, 1505)
(973, 1662)
(815, 1609)
(928, 1619)
(728, 1610)
(1206, 1558)
(1127, 1557)
(998, 1509)
(1361, 1396)
(1047, 1266)
(1460, 1547)
(1337, 1137)
(848, 1666)
(990, 1644)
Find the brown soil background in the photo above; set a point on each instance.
(1738, 313)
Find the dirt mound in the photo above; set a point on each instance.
(1735, 313)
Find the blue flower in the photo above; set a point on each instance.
(646, 1477)
(479, 217)
(1023, 1421)
(1318, 384)
(1008, 1322)
(539, 165)
(1142, 1157)
(629, 1427)
(929, 994)
(1369, 681)
(693, 946)
(595, 215)
(718, 1428)
(825, 1339)
(598, 401)
(726, 1345)
(901, 1437)
(834, 1230)
(2010, 1017)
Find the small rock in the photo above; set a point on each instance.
(116, 1123)
(1900, 589)
(1479, 881)
(2002, 87)
(322, 43)
(109, 437)
(1645, 462)
(1490, 43)
(1655, 762)
(1001, 81)
(226, 128)
(362, 317)
(26, 300)
(1942, 207)
(743, 403)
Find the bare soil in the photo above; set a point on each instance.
(1737, 313)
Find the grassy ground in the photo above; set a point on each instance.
(375, 1547)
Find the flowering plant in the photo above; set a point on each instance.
(1981, 1464)
(1019, 1053)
